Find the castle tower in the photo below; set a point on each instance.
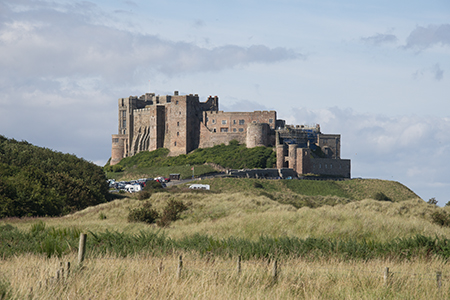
(280, 156)
(118, 148)
(292, 154)
(257, 134)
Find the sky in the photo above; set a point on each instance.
(374, 71)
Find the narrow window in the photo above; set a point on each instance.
(178, 134)
(175, 143)
(241, 122)
(178, 123)
(224, 122)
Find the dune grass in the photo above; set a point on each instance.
(253, 218)
(143, 277)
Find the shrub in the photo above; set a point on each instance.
(381, 197)
(441, 218)
(257, 185)
(432, 201)
(171, 212)
(149, 189)
(144, 214)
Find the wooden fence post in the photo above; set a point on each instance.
(67, 269)
(239, 265)
(275, 270)
(180, 267)
(386, 276)
(439, 279)
(81, 248)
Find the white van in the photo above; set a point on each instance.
(199, 186)
(133, 188)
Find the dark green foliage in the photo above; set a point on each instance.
(36, 181)
(150, 188)
(381, 197)
(171, 212)
(147, 214)
(144, 214)
(441, 218)
(233, 156)
(40, 239)
(50, 241)
(257, 185)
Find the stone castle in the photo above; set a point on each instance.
(181, 123)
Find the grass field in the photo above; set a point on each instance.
(252, 214)
(143, 277)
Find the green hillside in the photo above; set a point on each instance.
(36, 181)
(157, 162)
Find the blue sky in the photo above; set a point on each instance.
(377, 72)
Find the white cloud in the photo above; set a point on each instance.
(380, 39)
(425, 37)
(63, 42)
(435, 71)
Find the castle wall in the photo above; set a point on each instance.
(237, 121)
(330, 145)
(304, 165)
(209, 138)
(332, 167)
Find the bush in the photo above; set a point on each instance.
(432, 201)
(171, 212)
(144, 214)
(441, 218)
(257, 185)
(149, 189)
(381, 197)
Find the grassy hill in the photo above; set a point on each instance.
(158, 163)
(249, 208)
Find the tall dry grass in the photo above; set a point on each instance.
(141, 277)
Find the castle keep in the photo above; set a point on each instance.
(181, 123)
